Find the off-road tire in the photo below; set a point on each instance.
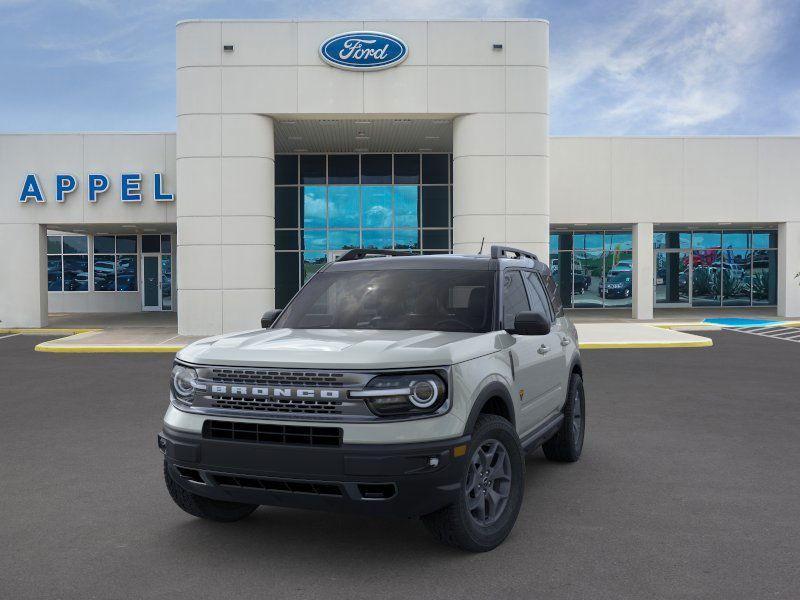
(454, 524)
(206, 508)
(566, 445)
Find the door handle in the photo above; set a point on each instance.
(565, 341)
(543, 349)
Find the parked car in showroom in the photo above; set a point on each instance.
(408, 386)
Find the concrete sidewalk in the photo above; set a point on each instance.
(158, 332)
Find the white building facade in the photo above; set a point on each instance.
(283, 159)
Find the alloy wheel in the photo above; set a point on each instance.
(488, 486)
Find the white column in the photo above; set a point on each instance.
(226, 248)
(501, 186)
(788, 267)
(23, 271)
(642, 271)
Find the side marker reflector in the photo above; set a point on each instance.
(460, 450)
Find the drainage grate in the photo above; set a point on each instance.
(273, 434)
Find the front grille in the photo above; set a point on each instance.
(282, 405)
(264, 433)
(268, 377)
(279, 485)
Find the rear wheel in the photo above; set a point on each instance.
(205, 508)
(491, 490)
(566, 445)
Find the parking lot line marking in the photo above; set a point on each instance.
(2, 337)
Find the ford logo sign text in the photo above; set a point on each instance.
(363, 51)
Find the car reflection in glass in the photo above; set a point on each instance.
(617, 285)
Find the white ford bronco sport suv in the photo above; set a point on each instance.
(410, 386)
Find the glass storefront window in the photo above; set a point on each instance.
(736, 239)
(327, 204)
(587, 275)
(377, 238)
(672, 278)
(434, 206)
(313, 206)
(76, 273)
(722, 268)
(765, 277)
(735, 277)
(67, 263)
(406, 168)
(343, 168)
(312, 169)
(706, 239)
(406, 206)
(376, 168)
(104, 272)
(343, 204)
(54, 273)
(376, 206)
(672, 239)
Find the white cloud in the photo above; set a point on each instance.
(669, 69)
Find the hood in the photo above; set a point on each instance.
(340, 348)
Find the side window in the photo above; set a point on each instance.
(515, 299)
(539, 302)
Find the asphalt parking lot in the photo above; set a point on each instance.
(689, 487)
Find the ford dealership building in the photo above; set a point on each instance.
(298, 140)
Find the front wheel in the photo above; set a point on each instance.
(566, 445)
(492, 488)
(205, 508)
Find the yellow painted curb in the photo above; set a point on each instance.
(46, 347)
(46, 331)
(704, 343)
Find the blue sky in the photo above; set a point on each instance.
(617, 67)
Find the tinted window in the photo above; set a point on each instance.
(104, 272)
(434, 168)
(376, 168)
(515, 299)
(437, 300)
(150, 243)
(54, 244)
(312, 168)
(343, 168)
(434, 207)
(126, 244)
(285, 169)
(538, 297)
(406, 168)
(75, 244)
(286, 207)
(104, 244)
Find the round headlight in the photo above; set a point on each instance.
(423, 393)
(183, 379)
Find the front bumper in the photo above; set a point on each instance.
(405, 480)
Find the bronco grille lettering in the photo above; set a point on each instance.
(275, 392)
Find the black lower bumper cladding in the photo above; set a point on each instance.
(404, 480)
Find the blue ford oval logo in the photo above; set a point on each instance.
(363, 50)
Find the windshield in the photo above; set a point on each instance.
(438, 300)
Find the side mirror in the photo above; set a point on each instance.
(269, 318)
(531, 323)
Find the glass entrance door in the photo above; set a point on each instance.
(151, 276)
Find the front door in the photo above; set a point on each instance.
(538, 360)
(151, 277)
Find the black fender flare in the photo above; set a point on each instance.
(494, 389)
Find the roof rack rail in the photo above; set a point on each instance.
(505, 251)
(359, 253)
